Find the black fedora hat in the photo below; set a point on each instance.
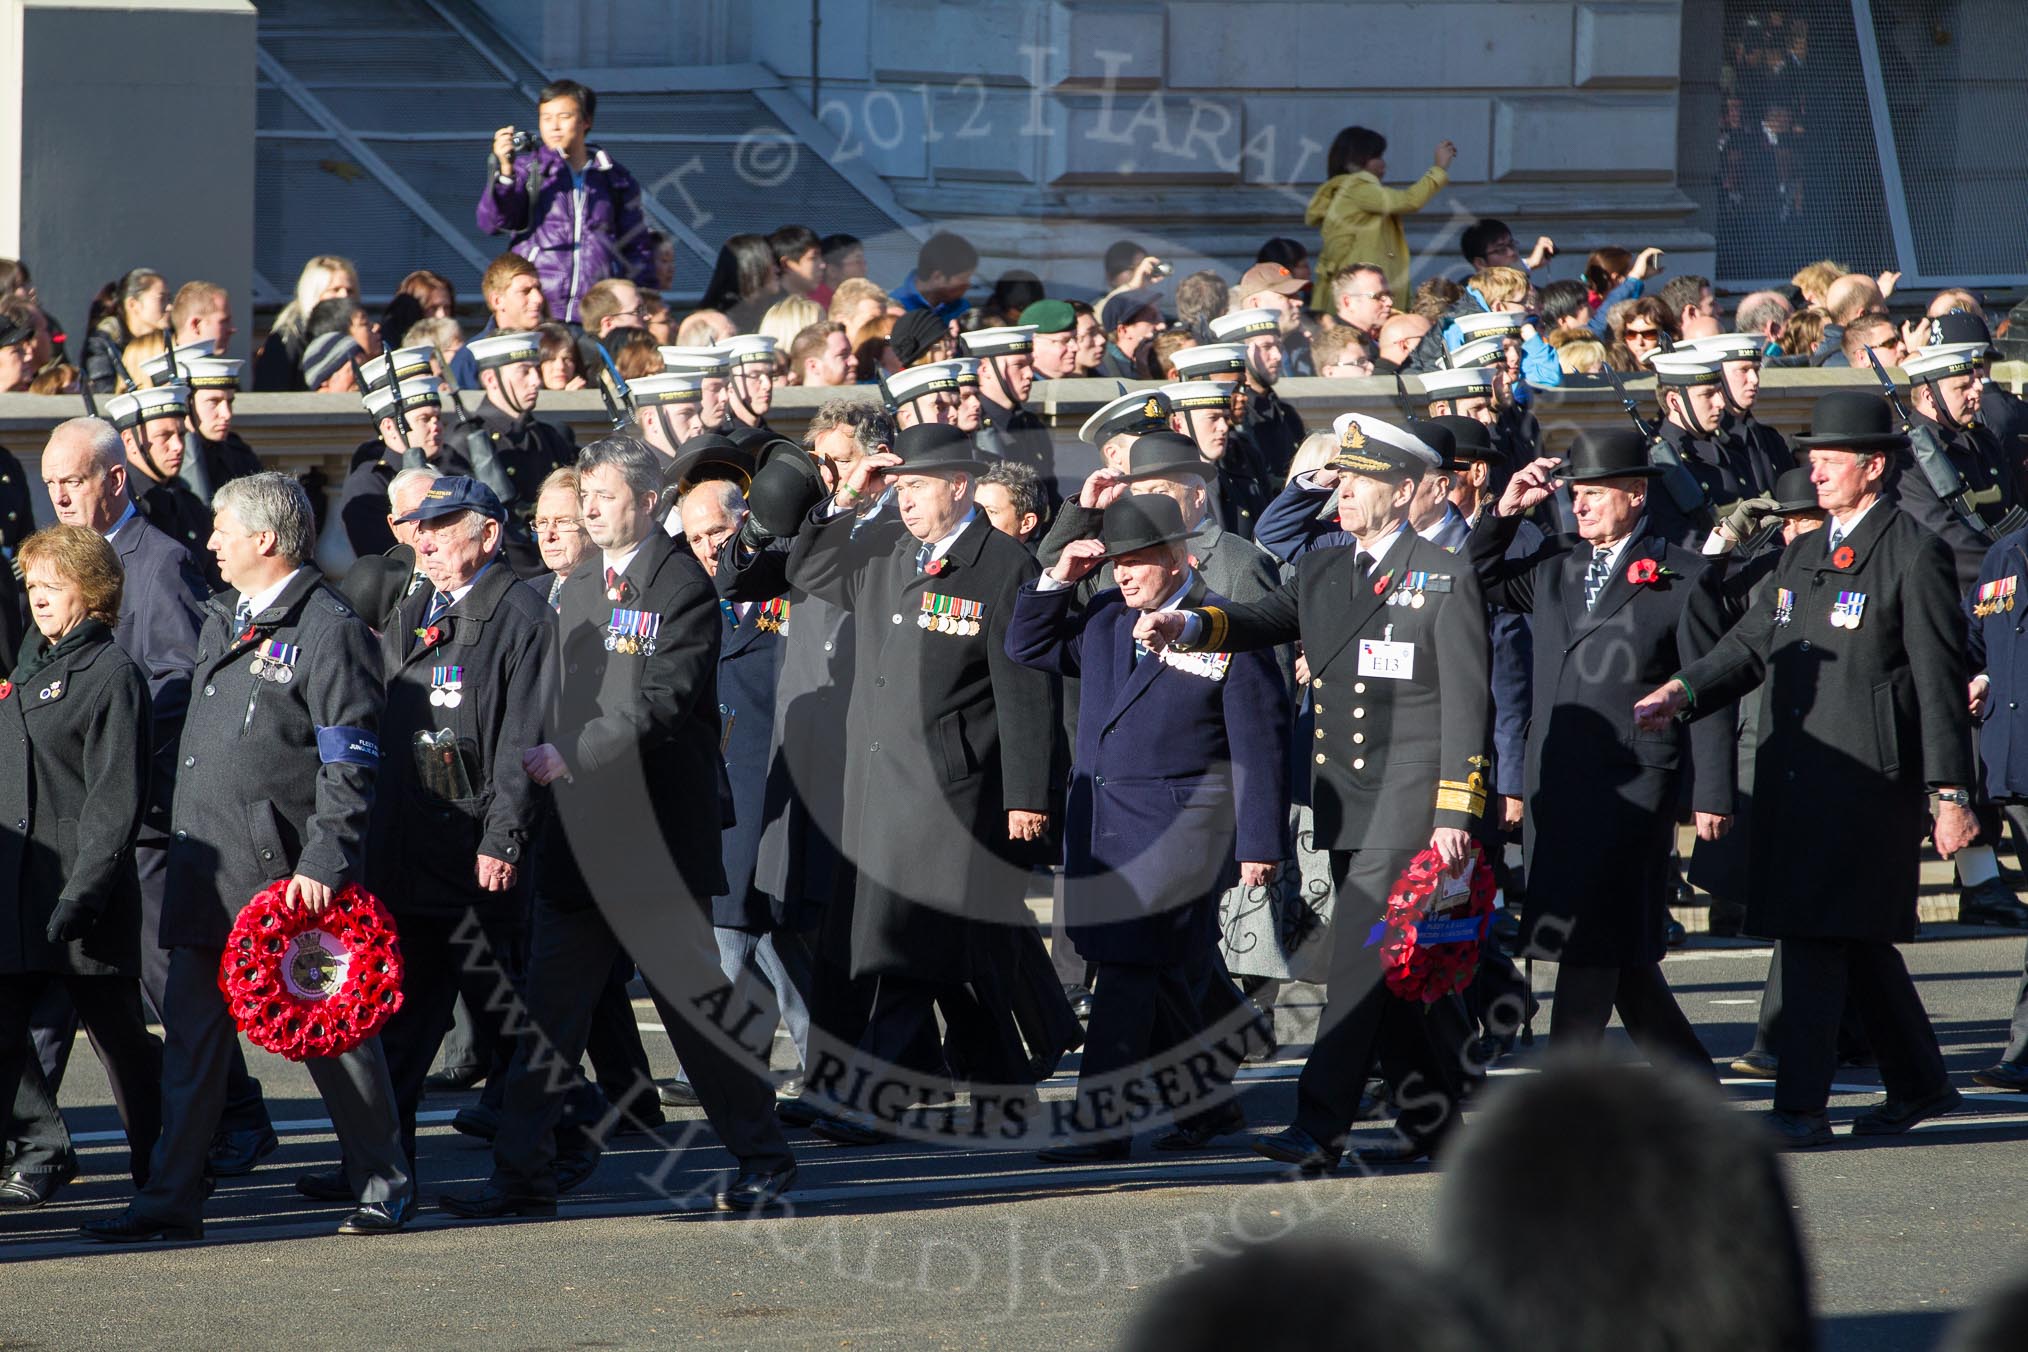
(1164, 455)
(1142, 521)
(786, 485)
(1470, 439)
(1794, 492)
(1852, 420)
(930, 447)
(1438, 438)
(1607, 453)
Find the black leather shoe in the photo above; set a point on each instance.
(849, 1128)
(679, 1094)
(490, 1203)
(379, 1218)
(791, 1088)
(1293, 1145)
(756, 1189)
(797, 1112)
(1800, 1131)
(1992, 902)
(572, 1167)
(1674, 934)
(131, 1228)
(1892, 1116)
(235, 1153)
(1756, 1066)
(1086, 1152)
(451, 1081)
(477, 1120)
(1198, 1133)
(1395, 1151)
(2006, 1075)
(22, 1191)
(329, 1186)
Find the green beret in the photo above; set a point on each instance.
(1050, 316)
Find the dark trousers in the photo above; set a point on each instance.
(35, 1121)
(1421, 1048)
(1155, 1015)
(571, 953)
(1819, 978)
(1587, 995)
(613, 1043)
(195, 1060)
(467, 1047)
(1851, 1033)
(110, 1007)
(2017, 1032)
(445, 958)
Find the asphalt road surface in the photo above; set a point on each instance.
(915, 1246)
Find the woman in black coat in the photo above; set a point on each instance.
(73, 779)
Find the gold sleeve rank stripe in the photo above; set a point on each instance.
(1215, 627)
(1468, 797)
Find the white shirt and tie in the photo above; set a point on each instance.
(1604, 559)
(250, 606)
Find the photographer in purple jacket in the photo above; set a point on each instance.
(573, 212)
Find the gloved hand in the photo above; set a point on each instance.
(72, 920)
(1746, 517)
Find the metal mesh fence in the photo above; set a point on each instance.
(1793, 174)
(1956, 89)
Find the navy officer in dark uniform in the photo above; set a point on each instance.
(1394, 631)
(1177, 792)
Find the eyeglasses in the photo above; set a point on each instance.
(1642, 333)
(1368, 295)
(562, 525)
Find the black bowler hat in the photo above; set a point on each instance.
(1438, 439)
(1794, 492)
(1166, 454)
(453, 494)
(786, 485)
(916, 333)
(928, 447)
(1471, 439)
(711, 456)
(1141, 521)
(1610, 453)
(1850, 420)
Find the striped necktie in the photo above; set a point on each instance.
(1595, 576)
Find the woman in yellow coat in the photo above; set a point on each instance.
(1361, 217)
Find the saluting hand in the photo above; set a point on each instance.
(859, 479)
(1654, 711)
(1531, 484)
(308, 893)
(1160, 628)
(1026, 825)
(1079, 559)
(496, 875)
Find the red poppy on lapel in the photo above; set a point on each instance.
(934, 568)
(1380, 584)
(1842, 557)
(1647, 573)
(431, 636)
(6, 689)
(251, 631)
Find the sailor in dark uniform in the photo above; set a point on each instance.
(1006, 376)
(1275, 429)
(1690, 387)
(1749, 444)
(749, 387)
(712, 370)
(216, 453)
(924, 394)
(511, 450)
(151, 423)
(1245, 482)
(411, 437)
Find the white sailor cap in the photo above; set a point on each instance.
(1243, 324)
(1209, 359)
(212, 373)
(380, 400)
(1189, 394)
(1680, 368)
(156, 369)
(1486, 324)
(410, 363)
(1458, 382)
(907, 386)
(505, 349)
(1134, 411)
(159, 401)
(1368, 445)
(967, 369)
(1479, 352)
(707, 362)
(748, 349)
(999, 342)
(1727, 346)
(667, 387)
(1951, 359)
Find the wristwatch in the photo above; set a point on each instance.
(1960, 797)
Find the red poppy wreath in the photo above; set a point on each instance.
(303, 984)
(1423, 958)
